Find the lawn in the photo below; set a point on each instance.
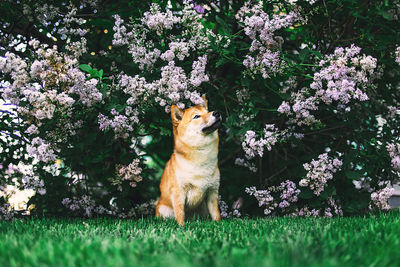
(357, 241)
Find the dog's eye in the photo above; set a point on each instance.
(196, 116)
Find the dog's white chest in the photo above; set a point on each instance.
(197, 173)
(197, 179)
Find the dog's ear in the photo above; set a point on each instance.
(176, 115)
(205, 104)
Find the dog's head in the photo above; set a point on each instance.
(196, 126)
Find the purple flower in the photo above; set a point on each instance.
(199, 9)
(284, 108)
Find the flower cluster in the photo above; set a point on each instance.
(136, 88)
(397, 54)
(198, 75)
(392, 112)
(173, 86)
(178, 49)
(319, 172)
(289, 193)
(177, 83)
(224, 210)
(70, 23)
(6, 212)
(130, 173)
(87, 91)
(380, 198)
(18, 184)
(42, 150)
(264, 56)
(243, 94)
(49, 89)
(85, 205)
(120, 32)
(144, 209)
(244, 163)
(253, 146)
(333, 206)
(306, 212)
(301, 108)
(122, 125)
(159, 21)
(332, 209)
(44, 12)
(34, 183)
(264, 198)
(344, 76)
(16, 67)
(244, 116)
(394, 152)
(286, 194)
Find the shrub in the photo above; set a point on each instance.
(308, 91)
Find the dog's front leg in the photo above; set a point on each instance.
(178, 200)
(212, 205)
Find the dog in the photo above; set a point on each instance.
(190, 181)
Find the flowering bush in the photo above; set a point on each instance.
(319, 172)
(307, 89)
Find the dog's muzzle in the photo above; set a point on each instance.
(215, 125)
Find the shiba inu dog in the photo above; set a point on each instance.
(190, 181)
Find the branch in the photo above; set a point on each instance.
(273, 175)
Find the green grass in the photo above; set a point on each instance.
(370, 241)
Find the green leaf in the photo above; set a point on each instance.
(85, 67)
(224, 29)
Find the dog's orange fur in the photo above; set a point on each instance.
(190, 180)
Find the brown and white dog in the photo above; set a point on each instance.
(190, 180)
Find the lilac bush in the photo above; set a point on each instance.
(308, 91)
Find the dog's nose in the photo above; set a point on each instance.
(216, 114)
